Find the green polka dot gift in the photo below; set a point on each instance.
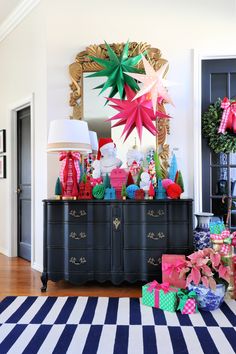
(162, 296)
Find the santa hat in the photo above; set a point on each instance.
(102, 142)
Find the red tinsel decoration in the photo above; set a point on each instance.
(173, 191)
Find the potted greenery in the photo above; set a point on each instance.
(208, 276)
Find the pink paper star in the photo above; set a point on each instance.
(135, 113)
(153, 83)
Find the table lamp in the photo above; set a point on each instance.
(69, 138)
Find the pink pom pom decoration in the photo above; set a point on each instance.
(166, 182)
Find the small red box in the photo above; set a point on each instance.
(171, 265)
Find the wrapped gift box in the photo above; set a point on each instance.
(187, 302)
(171, 266)
(161, 296)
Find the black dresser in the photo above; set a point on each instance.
(113, 240)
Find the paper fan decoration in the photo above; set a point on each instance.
(153, 83)
(115, 69)
(135, 113)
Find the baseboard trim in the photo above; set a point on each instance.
(37, 267)
(17, 15)
(4, 251)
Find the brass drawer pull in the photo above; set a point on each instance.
(116, 223)
(74, 261)
(159, 236)
(155, 214)
(76, 237)
(152, 261)
(76, 214)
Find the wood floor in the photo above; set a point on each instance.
(18, 278)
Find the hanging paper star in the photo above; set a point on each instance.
(115, 69)
(135, 113)
(153, 83)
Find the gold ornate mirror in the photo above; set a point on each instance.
(83, 98)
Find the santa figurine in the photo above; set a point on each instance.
(106, 158)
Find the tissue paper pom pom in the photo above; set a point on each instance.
(166, 182)
(130, 190)
(99, 191)
(173, 191)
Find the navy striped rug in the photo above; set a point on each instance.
(105, 325)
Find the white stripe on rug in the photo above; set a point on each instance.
(220, 340)
(101, 310)
(5, 329)
(220, 318)
(163, 340)
(171, 319)
(51, 339)
(33, 310)
(78, 310)
(55, 310)
(135, 340)
(232, 305)
(12, 308)
(78, 340)
(197, 320)
(191, 340)
(147, 317)
(23, 340)
(107, 339)
(123, 313)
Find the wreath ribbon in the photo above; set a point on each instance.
(228, 120)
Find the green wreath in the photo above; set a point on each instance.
(218, 142)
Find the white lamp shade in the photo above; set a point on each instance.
(69, 135)
(94, 141)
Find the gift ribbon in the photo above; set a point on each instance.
(183, 297)
(154, 285)
(228, 119)
(227, 239)
(73, 157)
(169, 268)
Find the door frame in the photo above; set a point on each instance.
(198, 57)
(12, 173)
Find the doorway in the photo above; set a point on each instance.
(218, 170)
(23, 127)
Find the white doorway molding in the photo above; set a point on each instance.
(198, 57)
(12, 175)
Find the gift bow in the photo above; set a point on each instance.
(155, 285)
(226, 238)
(169, 268)
(183, 297)
(228, 116)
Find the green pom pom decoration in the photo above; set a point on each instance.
(218, 142)
(99, 191)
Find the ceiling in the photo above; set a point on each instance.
(7, 7)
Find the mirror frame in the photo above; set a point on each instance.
(83, 64)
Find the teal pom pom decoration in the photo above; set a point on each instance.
(99, 191)
(130, 190)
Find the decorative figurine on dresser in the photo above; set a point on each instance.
(120, 234)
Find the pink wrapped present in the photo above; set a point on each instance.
(171, 267)
(187, 302)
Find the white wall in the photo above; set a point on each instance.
(176, 27)
(23, 74)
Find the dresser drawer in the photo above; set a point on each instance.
(145, 213)
(88, 212)
(87, 261)
(142, 261)
(180, 235)
(75, 235)
(55, 212)
(179, 211)
(139, 236)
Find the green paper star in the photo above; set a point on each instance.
(115, 69)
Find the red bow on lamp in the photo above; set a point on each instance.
(228, 120)
(70, 172)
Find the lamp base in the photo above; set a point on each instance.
(68, 197)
